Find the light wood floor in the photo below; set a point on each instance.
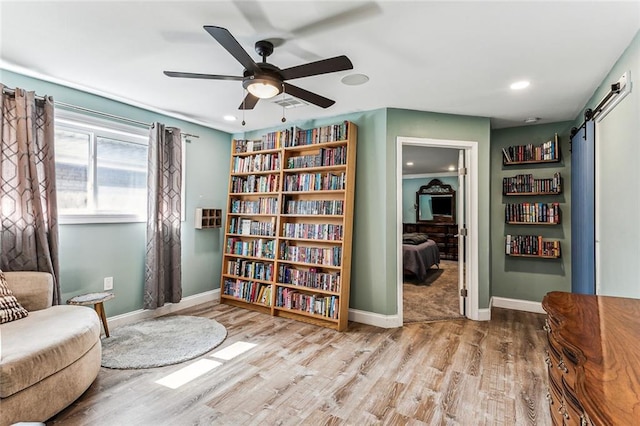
(442, 373)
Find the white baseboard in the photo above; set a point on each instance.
(141, 314)
(517, 304)
(393, 321)
(371, 318)
(356, 315)
(484, 314)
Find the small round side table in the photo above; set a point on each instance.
(97, 300)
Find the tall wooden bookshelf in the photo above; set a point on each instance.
(289, 224)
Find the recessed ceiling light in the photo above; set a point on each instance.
(519, 85)
(409, 163)
(532, 120)
(355, 79)
(452, 168)
(230, 118)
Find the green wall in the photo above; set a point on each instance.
(90, 252)
(369, 289)
(411, 185)
(373, 282)
(528, 278)
(438, 126)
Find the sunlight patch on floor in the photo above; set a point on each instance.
(188, 373)
(233, 350)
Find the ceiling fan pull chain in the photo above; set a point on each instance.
(243, 102)
(283, 93)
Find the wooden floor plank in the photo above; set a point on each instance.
(457, 372)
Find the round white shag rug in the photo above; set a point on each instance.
(160, 341)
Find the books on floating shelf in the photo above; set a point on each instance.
(531, 246)
(528, 153)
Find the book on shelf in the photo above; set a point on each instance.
(531, 245)
(526, 183)
(245, 226)
(547, 151)
(532, 212)
(506, 156)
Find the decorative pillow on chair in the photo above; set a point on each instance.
(10, 308)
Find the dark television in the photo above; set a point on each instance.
(441, 205)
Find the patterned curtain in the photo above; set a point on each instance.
(29, 212)
(163, 281)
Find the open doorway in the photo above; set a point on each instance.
(437, 275)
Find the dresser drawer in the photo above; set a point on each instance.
(562, 360)
(573, 412)
(556, 405)
(557, 347)
(568, 369)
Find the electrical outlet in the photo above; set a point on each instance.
(108, 283)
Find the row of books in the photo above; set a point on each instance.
(264, 248)
(248, 145)
(315, 181)
(311, 278)
(333, 133)
(528, 152)
(532, 212)
(293, 136)
(326, 306)
(330, 256)
(312, 231)
(250, 269)
(526, 183)
(245, 226)
(263, 205)
(326, 157)
(532, 245)
(253, 183)
(316, 207)
(256, 163)
(280, 138)
(250, 291)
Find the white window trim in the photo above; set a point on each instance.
(107, 128)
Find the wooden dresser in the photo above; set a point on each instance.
(444, 234)
(593, 357)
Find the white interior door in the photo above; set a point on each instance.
(461, 219)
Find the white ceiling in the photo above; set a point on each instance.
(428, 160)
(450, 57)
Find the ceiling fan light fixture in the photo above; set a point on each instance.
(263, 87)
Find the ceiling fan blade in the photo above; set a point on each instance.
(324, 66)
(204, 76)
(249, 102)
(226, 40)
(254, 14)
(305, 95)
(342, 19)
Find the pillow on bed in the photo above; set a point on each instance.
(414, 238)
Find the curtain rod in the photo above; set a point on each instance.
(92, 111)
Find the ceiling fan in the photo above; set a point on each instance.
(264, 80)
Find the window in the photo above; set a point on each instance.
(101, 170)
